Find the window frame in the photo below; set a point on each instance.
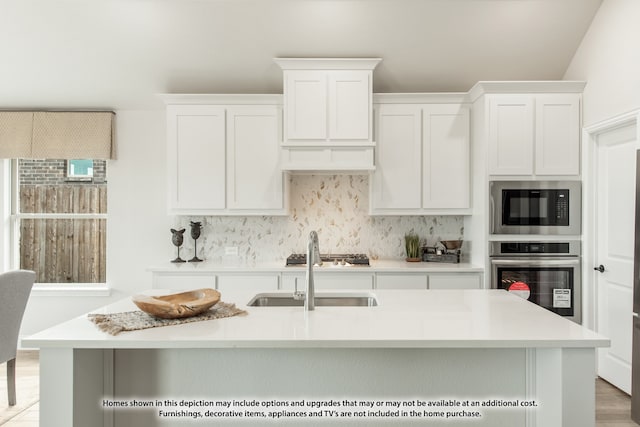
(13, 225)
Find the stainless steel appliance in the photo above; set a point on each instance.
(545, 273)
(535, 207)
(331, 259)
(635, 356)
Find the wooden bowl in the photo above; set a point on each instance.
(176, 306)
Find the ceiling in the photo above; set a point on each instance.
(120, 53)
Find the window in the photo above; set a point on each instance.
(79, 169)
(59, 222)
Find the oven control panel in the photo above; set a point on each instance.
(535, 249)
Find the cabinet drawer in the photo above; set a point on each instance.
(454, 281)
(401, 281)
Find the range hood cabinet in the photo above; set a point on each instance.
(328, 114)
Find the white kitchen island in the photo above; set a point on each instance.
(416, 359)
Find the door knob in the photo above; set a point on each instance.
(599, 268)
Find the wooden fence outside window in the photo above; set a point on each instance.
(64, 250)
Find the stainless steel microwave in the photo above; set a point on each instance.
(535, 207)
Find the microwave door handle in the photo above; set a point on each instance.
(492, 212)
(537, 262)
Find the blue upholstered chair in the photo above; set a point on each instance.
(15, 288)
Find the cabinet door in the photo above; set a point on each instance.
(396, 182)
(306, 101)
(196, 158)
(445, 152)
(511, 135)
(454, 281)
(254, 178)
(557, 141)
(401, 281)
(349, 105)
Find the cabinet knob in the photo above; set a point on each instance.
(599, 268)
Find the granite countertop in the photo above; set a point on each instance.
(403, 319)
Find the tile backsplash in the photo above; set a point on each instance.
(336, 206)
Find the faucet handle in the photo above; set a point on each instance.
(297, 295)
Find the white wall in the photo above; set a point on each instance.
(137, 226)
(609, 60)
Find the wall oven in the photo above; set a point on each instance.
(545, 273)
(535, 207)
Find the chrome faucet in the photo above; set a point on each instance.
(313, 257)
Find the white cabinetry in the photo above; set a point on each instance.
(395, 185)
(535, 134)
(428, 281)
(196, 158)
(401, 281)
(187, 281)
(254, 179)
(329, 280)
(328, 105)
(328, 113)
(455, 281)
(557, 142)
(254, 282)
(422, 160)
(445, 156)
(223, 159)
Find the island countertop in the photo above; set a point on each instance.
(403, 319)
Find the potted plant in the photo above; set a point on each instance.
(412, 246)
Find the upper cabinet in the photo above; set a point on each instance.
(534, 134)
(328, 113)
(196, 158)
(557, 134)
(223, 155)
(422, 159)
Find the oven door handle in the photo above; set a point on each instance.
(536, 262)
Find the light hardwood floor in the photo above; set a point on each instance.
(613, 406)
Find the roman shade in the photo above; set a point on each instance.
(57, 134)
(15, 134)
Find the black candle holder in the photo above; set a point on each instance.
(196, 227)
(177, 238)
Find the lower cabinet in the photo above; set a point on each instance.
(428, 281)
(327, 280)
(401, 281)
(253, 282)
(324, 280)
(183, 281)
(455, 281)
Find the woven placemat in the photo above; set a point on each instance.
(114, 323)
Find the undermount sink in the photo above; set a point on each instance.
(363, 299)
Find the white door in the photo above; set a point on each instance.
(615, 207)
(557, 141)
(396, 180)
(306, 105)
(349, 105)
(254, 180)
(511, 134)
(196, 158)
(445, 156)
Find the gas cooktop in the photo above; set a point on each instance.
(334, 259)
